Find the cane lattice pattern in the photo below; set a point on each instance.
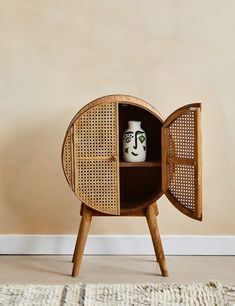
(95, 149)
(182, 184)
(95, 132)
(97, 184)
(181, 176)
(67, 158)
(181, 131)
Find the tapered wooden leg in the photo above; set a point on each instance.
(76, 245)
(151, 214)
(81, 239)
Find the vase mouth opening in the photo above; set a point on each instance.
(134, 124)
(136, 121)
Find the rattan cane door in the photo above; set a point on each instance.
(181, 160)
(90, 156)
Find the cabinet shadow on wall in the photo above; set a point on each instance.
(35, 194)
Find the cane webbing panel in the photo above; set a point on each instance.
(181, 144)
(95, 158)
(181, 161)
(96, 184)
(95, 132)
(182, 184)
(67, 159)
(181, 131)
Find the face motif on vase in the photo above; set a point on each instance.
(135, 142)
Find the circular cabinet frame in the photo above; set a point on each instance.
(108, 107)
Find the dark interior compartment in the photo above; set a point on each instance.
(140, 186)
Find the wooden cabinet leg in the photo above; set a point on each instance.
(151, 214)
(76, 245)
(81, 239)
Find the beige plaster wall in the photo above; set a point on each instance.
(56, 56)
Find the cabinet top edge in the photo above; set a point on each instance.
(120, 99)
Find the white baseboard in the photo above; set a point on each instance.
(118, 244)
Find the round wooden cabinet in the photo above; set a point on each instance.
(94, 167)
(93, 162)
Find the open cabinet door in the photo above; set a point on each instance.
(181, 160)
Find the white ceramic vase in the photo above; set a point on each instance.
(134, 143)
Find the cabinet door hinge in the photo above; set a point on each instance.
(193, 109)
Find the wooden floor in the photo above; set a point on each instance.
(115, 269)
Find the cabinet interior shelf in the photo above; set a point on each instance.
(140, 164)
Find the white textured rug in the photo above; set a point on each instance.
(162, 294)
